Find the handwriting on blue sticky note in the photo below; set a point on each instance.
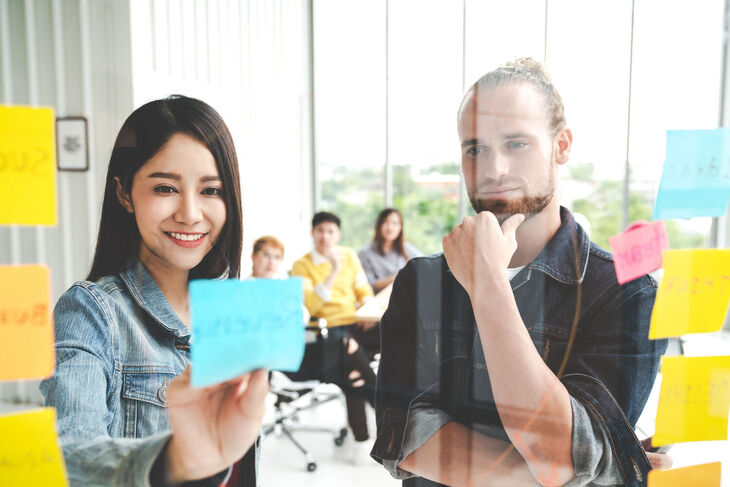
(696, 175)
(239, 326)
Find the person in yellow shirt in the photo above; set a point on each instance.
(335, 285)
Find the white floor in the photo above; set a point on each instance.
(282, 464)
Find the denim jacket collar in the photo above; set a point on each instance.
(147, 294)
(565, 257)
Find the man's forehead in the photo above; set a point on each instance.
(513, 101)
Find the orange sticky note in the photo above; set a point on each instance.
(26, 331)
(706, 475)
(638, 251)
(27, 166)
(29, 452)
(694, 293)
(694, 399)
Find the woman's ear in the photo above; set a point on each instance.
(124, 198)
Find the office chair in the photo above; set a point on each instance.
(302, 391)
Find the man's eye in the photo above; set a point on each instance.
(212, 191)
(473, 151)
(516, 145)
(164, 189)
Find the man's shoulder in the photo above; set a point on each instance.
(348, 253)
(601, 275)
(426, 264)
(304, 260)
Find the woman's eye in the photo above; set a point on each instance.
(212, 192)
(164, 189)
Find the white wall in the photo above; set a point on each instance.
(103, 58)
(247, 59)
(70, 55)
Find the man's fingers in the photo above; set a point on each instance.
(659, 461)
(510, 225)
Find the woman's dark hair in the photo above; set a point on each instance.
(143, 134)
(399, 242)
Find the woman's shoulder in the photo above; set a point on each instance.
(368, 250)
(89, 302)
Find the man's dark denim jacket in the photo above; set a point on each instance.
(431, 352)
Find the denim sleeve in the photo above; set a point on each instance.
(423, 422)
(593, 460)
(84, 379)
(612, 368)
(405, 377)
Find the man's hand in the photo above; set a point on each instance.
(479, 247)
(213, 427)
(659, 461)
(335, 259)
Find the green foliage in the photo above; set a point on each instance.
(358, 195)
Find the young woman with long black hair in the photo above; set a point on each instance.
(127, 414)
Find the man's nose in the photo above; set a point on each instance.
(496, 167)
(188, 211)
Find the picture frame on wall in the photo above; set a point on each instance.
(72, 146)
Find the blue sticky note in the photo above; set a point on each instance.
(239, 326)
(696, 175)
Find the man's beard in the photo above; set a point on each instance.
(504, 208)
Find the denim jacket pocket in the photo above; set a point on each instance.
(144, 400)
(444, 343)
(551, 343)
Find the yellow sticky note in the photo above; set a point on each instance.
(27, 166)
(29, 452)
(694, 293)
(26, 331)
(694, 399)
(706, 475)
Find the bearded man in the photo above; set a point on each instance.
(515, 356)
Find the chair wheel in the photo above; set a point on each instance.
(311, 467)
(340, 439)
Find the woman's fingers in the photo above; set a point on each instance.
(256, 390)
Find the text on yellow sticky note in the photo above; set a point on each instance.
(694, 399)
(694, 293)
(29, 452)
(27, 166)
(26, 331)
(706, 475)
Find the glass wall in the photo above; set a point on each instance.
(393, 85)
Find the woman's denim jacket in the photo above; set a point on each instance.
(119, 344)
(432, 359)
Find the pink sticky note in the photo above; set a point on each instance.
(638, 250)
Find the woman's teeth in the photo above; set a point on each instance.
(184, 237)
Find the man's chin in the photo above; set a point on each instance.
(503, 208)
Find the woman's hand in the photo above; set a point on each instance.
(213, 427)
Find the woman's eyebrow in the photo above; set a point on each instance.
(166, 175)
(177, 177)
(206, 179)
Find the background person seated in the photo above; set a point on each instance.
(388, 252)
(334, 285)
(267, 254)
(381, 260)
